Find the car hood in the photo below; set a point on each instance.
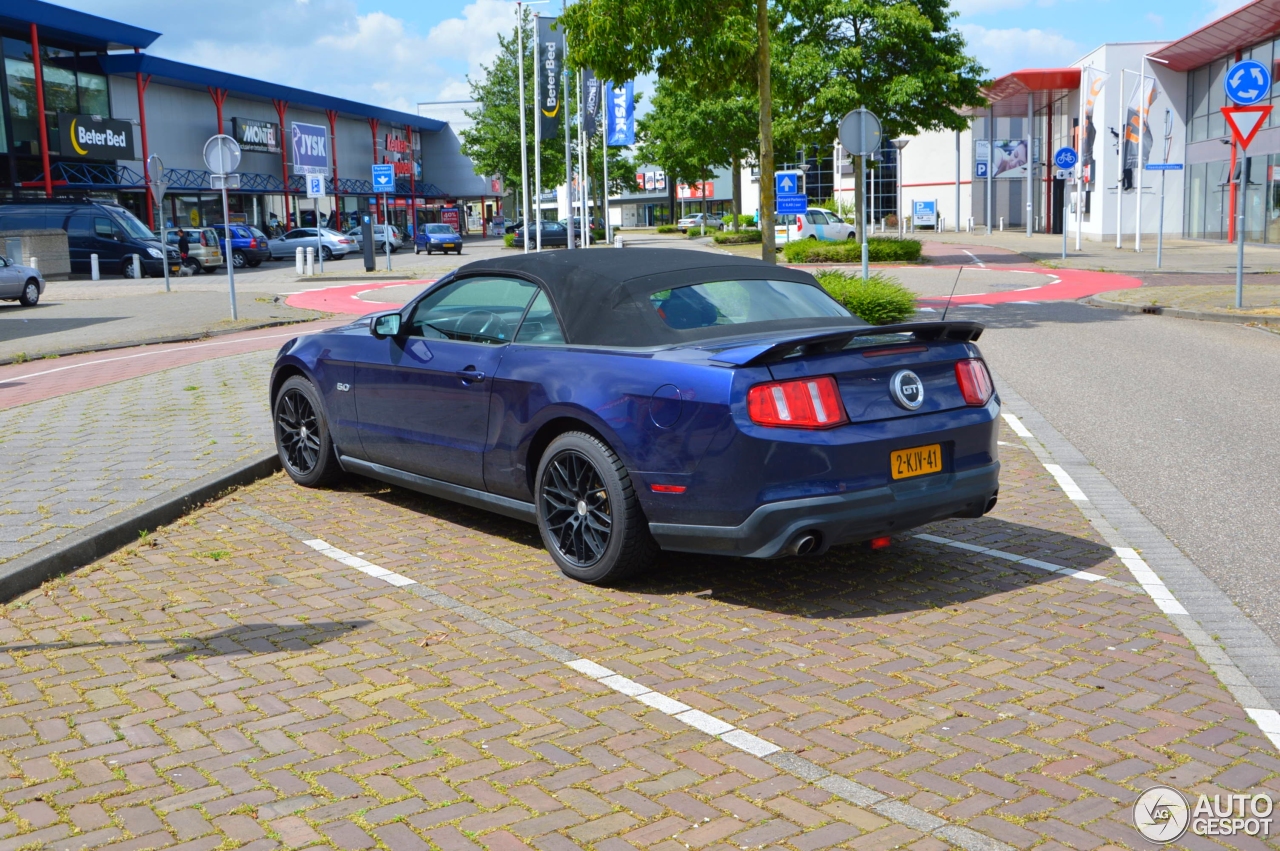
(27, 270)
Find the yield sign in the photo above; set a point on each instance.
(1245, 121)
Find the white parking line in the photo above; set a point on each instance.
(1015, 558)
(1068, 484)
(975, 257)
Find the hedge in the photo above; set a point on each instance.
(509, 240)
(880, 249)
(742, 237)
(668, 229)
(880, 299)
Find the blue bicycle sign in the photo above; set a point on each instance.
(1065, 158)
(1247, 82)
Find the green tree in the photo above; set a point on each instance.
(493, 142)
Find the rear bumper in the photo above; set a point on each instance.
(841, 519)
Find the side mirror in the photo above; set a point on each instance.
(387, 325)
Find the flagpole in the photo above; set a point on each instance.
(604, 153)
(1087, 78)
(583, 178)
(1137, 166)
(537, 147)
(524, 138)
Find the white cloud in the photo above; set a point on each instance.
(325, 45)
(982, 7)
(1005, 50)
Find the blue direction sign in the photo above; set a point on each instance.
(787, 183)
(384, 177)
(788, 204)
(1065, 158)
(1247, 82)
(1164, 166)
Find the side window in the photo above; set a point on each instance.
(540, 325)
(80, 224)
(474, 310)
(103, 227)
(815, 218)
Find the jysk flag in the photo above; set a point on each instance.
(550, 63)
(622, 115)
(590, 103)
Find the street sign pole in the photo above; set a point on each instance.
(1066, 159)
(861, 134)
(222, 156)
(226, 229)
(1247, 83)
(155, 168)
(1240, 230)
(1168, 140)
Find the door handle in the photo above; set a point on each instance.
(470, 374)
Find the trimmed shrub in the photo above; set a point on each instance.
(880, 249)
(668, 229)
(597, 234)
(742, 237)
(880, 299)
(509, 240)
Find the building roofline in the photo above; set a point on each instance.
(1250, 24)
(182, 75)
(59, 23)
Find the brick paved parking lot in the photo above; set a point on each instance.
(366, 667)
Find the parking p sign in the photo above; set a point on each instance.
(315, 185)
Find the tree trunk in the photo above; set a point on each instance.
(767, 242)
(704, 203)
(671, 198)
(737, 191)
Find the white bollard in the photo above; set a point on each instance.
(1002, 224)
(34, 263)
(941, 225)
(617, 242)
(297, 261)
(94, 274)
(135, 260)
(311, 262)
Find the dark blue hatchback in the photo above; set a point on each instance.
(645, 399)
(433, 238)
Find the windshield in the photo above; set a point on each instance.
(741, 302)
(132, 226)
(440, 229)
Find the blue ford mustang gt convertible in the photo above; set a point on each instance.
(636, 400)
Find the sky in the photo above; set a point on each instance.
(401, 53)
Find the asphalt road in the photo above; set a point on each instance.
(1182, 416)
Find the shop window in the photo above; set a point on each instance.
(93, 94)
(20, 75)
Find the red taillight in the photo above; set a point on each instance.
(802, 403)
(974, 381)
(253, 242)
(667, 488)
(880, 543)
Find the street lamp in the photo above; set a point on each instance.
(900, 144)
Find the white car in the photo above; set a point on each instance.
(23, 284)
(379, 231)
(694, 222)
(822, 225)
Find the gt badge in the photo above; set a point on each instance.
(907, 389)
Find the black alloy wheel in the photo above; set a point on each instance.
(588, 512)
(326, 253)
(302, 434)
(30, 294)
(238, 259)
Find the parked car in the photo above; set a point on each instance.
(513, 227)
(23, 284)
(379, 233)
(203, 253)
(694, 222)
(94, 227)
(248, 245)
(516, 385)
(553, 233)
(814, 224)
(433, 238)
(333, 245)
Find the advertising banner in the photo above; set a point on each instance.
(701, 189)
(622, 115)
(550, 63)
(254, 135)
(310, 148)
(1091, 81)
(99, 138)
(590, 103)
(451, 216)
(1006, 158)
(1140, 100)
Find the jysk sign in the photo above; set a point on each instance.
(256, 135)
(97, 138)
(310, 148)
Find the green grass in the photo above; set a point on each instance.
(880, 249)
(742, 237)
(879, 300)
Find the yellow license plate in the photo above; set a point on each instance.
(174, 269)
(918, 461)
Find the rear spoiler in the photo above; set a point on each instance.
(958, 331)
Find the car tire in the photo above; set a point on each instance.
(238, 259)
(459, 252)
(253, 264)
(30, 293)
(128, 270)
(303, 441)
(852, 237)
(416, 250)
(575, 470)
(326, 253)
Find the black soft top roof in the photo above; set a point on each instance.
(602, 295)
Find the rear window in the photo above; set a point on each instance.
(742, 302)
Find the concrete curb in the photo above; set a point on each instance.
(93, 542)
(1179, 313)
(156, 341)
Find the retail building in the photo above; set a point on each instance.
(84, 106)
